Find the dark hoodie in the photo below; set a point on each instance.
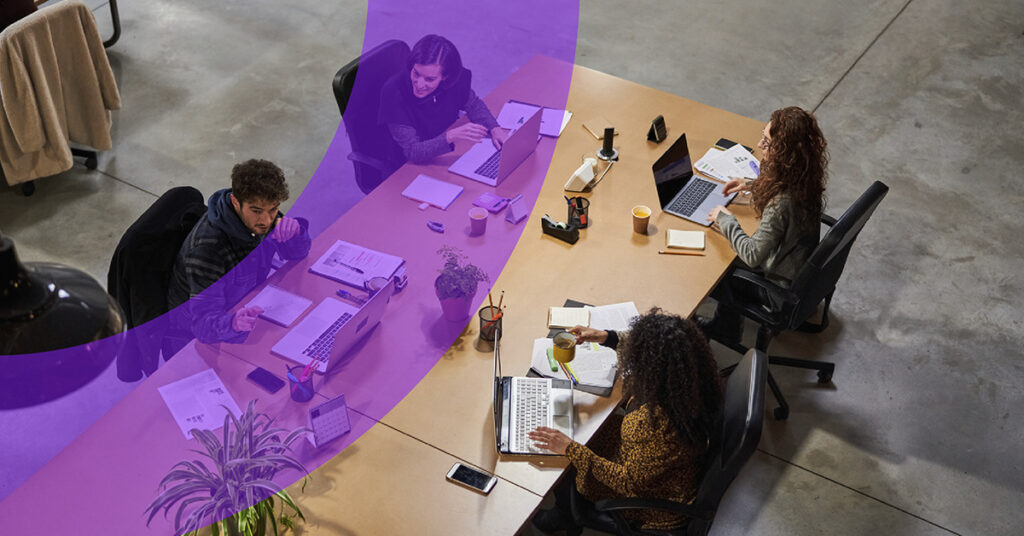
(220, 249)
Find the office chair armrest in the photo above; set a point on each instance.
(377, 164)
(780, 293)
(828, 220)
(688, 510)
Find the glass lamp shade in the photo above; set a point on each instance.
(56, 328)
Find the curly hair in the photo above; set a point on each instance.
(666, 361)
(258, 180)
(796, 165)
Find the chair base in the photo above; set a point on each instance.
(781, 412)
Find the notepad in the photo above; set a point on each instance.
(596, 126)
(430, 190)
(674, 238)
(567, 317)
(279, 306)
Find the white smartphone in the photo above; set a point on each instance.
(471, 478)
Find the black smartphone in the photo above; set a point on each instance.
(471, 478)
(724, 144)
(262, 377)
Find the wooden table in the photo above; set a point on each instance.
(391, 478)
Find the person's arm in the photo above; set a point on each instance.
(211, 320)
(478, 113)
(644, 451)
(416, 150)
(296, 247)
(754, 250)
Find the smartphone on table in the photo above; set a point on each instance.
(262, 377)
(471, 478)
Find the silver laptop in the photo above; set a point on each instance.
(522, 404)
(331, 329)
(680, 192)
(491, 166)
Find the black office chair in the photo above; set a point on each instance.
(140, 274)
(814, 284)
(742, 416)
(375, 155)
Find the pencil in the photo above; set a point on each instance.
(490, 302)
(566, 372)
(694, 253)
(501, 298)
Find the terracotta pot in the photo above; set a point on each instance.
(454, 309)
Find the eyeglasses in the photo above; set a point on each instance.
(764, 141)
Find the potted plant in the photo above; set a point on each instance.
(237, 494)
(457, 283)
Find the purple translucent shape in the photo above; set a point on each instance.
(107, 476)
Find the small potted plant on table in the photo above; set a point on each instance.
(456, 286)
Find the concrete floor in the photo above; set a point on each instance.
(921, 431)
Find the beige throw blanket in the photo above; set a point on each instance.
(56, 86)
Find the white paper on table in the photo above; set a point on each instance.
(706, 165)
(737, 161)
(197, 402)
(616, 316)
(279, 306)
(594, 365)
(552, 122)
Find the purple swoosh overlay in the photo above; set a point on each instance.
(112, 464)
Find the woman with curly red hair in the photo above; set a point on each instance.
(788, 197)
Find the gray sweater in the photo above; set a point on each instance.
(778, 246)
(419, 151)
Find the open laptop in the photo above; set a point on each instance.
(491, 166)
(680, 192)
(331, 329)
(522, 404)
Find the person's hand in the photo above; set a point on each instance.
(713, 216)
(736, 185)
(471, 132)
(550, 439)
(245, 318)
(287, 228)
(585, 334)
(498, 137)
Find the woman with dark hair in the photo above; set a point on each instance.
(420, 105)
(658, 449)
(788, 197)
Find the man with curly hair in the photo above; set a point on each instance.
(234, 243)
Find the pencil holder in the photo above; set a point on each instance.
(301, 390)
(579, 212)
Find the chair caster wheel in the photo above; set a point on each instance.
(780, 413)
(90, 162)
(28, 188)
(824, 376)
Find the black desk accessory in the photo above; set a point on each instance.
(658, 131)
(561, 231)
(608, 152)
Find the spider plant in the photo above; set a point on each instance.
(237, 494)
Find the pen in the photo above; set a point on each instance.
(694, 253)
(567, 200)
(350, 267)
(348, 295)
(295, 381)
(572, 373)
(567, 375)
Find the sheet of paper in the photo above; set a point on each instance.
(732, 162)
(567, 317)
(279, 306)
(616, 316)
(430, 190)
(593, 365)
(353, 265)
(196, 402)
(552, 122)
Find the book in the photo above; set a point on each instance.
(567, 317)
(674, 238)
(279, 306)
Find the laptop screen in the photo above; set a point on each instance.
(672, 171)
(497, 391)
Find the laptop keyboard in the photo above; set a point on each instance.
(691, 198)
(532, 409)
(320, 349)
(489, 168)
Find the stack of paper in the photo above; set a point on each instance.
(593, 365)
(735, 161)
(430, 190)
(552, 122)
